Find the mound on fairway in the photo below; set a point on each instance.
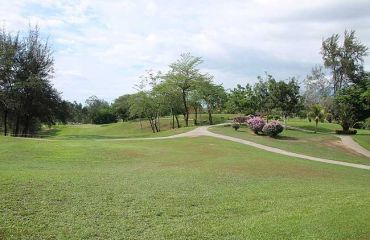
(190, 188)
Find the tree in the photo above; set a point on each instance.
(37, 102)
(285, 97)
(9, 48)
(316, 112)
(263, 101)
(213, 95)
(183, 75)
(346, 61)
(353, 103)
(143, 104)
(317, 87)
(170, 100)
(121, 107)
(242, 100)
(99, 111)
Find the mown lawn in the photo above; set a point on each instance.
(197, 188)
(362, 137)
(324, 145)
(130, 129)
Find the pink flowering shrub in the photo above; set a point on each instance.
(256, 124)
(272, 129)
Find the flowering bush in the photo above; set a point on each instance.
(272, 129)
(256, 124)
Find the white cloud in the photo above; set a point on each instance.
(110, 43)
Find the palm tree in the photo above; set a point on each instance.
(316, 112)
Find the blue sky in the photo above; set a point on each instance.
(102, 47)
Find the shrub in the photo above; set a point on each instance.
(236, 126)
(272, 129)
(256, 124)
(349, 132)
(242, 119)
(329, 117)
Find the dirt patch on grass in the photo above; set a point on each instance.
(278, 171)
(337, 144)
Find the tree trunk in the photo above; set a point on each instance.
(345, 126)
(141, 125)
(158, 124)
(151, 124)
(173, 120)
(196, 116)
(316, 123)
(186, 115)
(26, 127)
(210, 117)
(16, 131)
(177, 120)
(5, 122)
(286, 121)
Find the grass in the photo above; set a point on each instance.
(362, 137)
(198, 188)
(322, 145)
(131, 129)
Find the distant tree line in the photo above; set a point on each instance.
(337, 91)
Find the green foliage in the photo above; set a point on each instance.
(27, 98)
(353, 103)
(346, 61)
(241, 100)
(316, 112)
(121, 107)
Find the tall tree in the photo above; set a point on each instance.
(9, 48)
(346, 61)
(121, 107)
(353, 103)
(286, 97)
(213, 95)
(183, 75)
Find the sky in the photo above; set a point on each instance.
(101, 47)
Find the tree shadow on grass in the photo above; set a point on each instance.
(52, 132)
(285, 138)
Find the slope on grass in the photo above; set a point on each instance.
(319, 145)
(362, 136)
(131, 129)
(197, 188)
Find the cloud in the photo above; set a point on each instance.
(102, 47)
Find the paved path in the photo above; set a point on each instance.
(349, 142)
(203, 131)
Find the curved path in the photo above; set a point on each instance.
(203, 131)
(346, 140)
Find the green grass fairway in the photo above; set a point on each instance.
(324, 145)
(109, 131)
(191, 188)
(362, 136)
(131, 129)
